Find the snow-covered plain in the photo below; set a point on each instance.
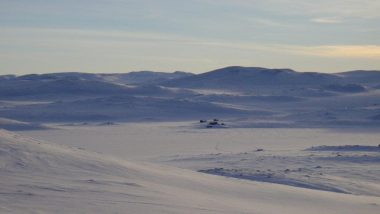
(236, 152)
(40, 177)
(345, 171)
(290, 142)
(146, 141)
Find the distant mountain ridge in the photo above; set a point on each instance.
(149, 77)
(75, 83)
(133, 78)
(371, 77)
(236, 77)
(32, 86)
(219, 78)
(283, 96)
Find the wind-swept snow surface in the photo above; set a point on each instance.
(39, 177)
(345, 169)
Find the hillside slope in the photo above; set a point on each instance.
(284, 96)
(237, 77)
(39, 177)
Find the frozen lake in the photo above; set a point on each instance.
(143, 141)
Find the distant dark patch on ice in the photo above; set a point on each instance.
(343, 148)
(348, 88)
(358, 159)
(376, 117)
(109, 123)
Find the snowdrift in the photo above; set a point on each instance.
(39, 177)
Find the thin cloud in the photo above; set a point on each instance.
(116, 39)
(338, 51)
(326, 20)
(77, 49)
(366, 9)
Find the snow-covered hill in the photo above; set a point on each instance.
(122, 108)
(39, 177)
(15, 125)
(21, 87)
(238, 78)
(145, 77)
(280, 95)
(361, 77)
(131, 78)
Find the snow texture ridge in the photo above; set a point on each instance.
(39, 177)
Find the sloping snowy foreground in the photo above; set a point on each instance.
(39, 177)
(350, 169)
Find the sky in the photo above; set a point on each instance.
(43, 36)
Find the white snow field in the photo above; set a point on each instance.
(275, 141)
(151, 140)
(41, 177)
(341, 169)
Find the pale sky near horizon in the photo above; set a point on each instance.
(42, 36)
